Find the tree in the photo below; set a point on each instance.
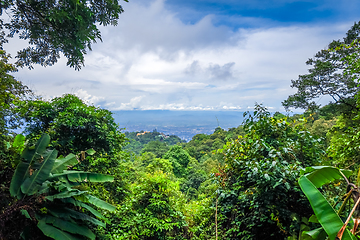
(327, 77)
(179, 159)
(345, 140)
(152, 211)
(73, 125)
(194, 178)
(52, 27)
(258, 195)
(156, 147)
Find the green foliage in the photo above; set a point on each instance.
(258, 194)
(154, 141)
(52, 27)
(329, 219)
(159, 164)
(152, 211)
(195, 177)
(46, 191)
(327, 77)
(73, 125)
(11, 93)
(179, 159)
(156, 147)
(344, 143)
(200, 216)
(202, 145)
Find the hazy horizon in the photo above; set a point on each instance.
(184, 124)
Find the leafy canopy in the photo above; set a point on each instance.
(54, 27)
(327, 76)
(73, 125)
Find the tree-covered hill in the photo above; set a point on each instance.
(145, 139)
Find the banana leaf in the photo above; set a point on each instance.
(324, 212)
(54, 232)
(23, 169)
(320, 175)
(316, 234)
(83, 205)
(69, 226)
(68, 214)
(32, 184)
(78, 176)
(65, 194)
(62, 164)
(100, 203)
(32, 153)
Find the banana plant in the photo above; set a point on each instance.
(332, 226)
(51, 193)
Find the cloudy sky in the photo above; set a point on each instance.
(199, 55)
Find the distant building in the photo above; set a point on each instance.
(143, 133)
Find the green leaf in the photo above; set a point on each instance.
(320, 175)
(316, 234)
(313, 219)
(90, 151)
(69, 226)
(67, 214)
(100, 203)
(32, 184)
(23, 169)
(83, 205)
(62, 164)
(65, 194)
(78, 176)
(19, 141)
(54, 232)
(324, 212)
(30, 154)
(25, 213)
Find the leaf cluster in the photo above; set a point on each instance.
(51, 27)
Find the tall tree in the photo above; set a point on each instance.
(51, 27)
(327, 76)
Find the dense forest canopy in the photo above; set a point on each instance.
(73, 173)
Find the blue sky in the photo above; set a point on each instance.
(199, 55)
(281, 12)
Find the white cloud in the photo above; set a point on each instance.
(133, 104)
(152, 60)
(89, 99)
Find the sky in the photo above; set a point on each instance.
(198, 55)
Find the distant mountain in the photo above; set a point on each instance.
(184, 124)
